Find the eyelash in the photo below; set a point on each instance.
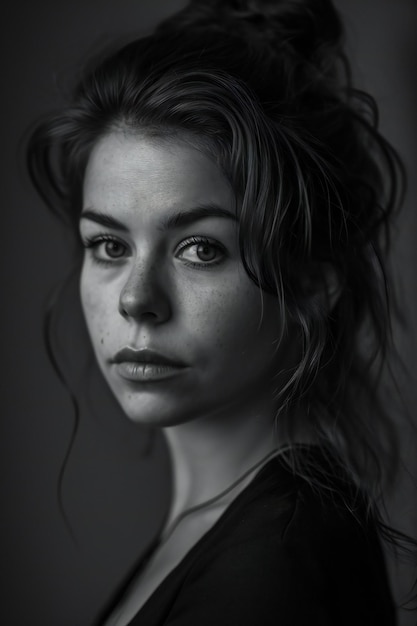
(90, 243)
(93, 242)
(198, 240)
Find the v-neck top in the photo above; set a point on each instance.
(284, 553)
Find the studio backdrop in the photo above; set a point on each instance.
(71, 526)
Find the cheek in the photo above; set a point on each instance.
(239, 318)
(96, 314)
(88, 297)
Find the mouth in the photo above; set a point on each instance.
(145, 365)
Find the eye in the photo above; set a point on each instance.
(201, 252)
(106, 249)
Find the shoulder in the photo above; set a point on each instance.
(321, 525)
(290, 551)
(283, 506)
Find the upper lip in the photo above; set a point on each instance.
(144, 355)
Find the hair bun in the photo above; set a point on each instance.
(305, 25)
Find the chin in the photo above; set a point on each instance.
(147, 410)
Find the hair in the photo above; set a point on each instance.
(264, 87)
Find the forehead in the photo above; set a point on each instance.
(131, 173)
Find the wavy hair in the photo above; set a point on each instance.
(265, 88)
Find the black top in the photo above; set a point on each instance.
(282, 554)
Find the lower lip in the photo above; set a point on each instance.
(146, 372)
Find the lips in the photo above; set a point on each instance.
(145, 355)
(145, 365)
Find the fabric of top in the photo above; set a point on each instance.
(282, 554)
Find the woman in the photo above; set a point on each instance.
(233, 196)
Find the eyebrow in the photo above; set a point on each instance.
(202, 211)
(103, 219)
(176, 220)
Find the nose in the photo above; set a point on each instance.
(145, 294)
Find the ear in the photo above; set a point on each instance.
(323, 287)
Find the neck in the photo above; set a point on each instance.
(210, 454)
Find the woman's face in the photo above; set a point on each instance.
(179, 330)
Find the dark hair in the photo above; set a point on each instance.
(265, 88)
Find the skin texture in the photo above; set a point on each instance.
(210, 317)
(196, 304)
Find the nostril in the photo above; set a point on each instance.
(122, 311)
(149, 315)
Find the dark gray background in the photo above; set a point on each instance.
(114, 489)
